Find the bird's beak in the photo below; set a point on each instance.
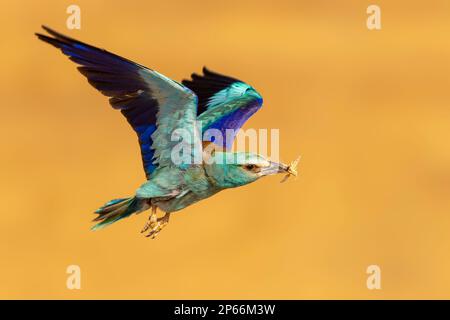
(274, 168)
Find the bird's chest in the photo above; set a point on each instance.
(187, 199)
(196, 187)
(197, 181)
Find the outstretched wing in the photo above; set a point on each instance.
(223, 103)
(153, 104)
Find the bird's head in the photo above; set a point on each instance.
(234, 169)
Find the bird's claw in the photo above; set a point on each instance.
(155, 225)
(156, 229)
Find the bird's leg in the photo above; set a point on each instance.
(151, 220)
(155, 224)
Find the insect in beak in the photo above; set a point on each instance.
(275, 168)
(291, 169)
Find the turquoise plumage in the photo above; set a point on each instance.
(157, 108)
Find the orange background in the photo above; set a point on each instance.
(368, 111)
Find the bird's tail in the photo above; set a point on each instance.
(118, 209)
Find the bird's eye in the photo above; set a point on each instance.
(250, 166)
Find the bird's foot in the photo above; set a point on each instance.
(154, 224)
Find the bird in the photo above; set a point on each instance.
(156, 106)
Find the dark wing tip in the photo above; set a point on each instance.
(48, 29)
(206, 70)
(195, 76)
(54, 42)
(208, 73)
(57, 35)
(57, 40)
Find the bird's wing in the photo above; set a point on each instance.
(223, 103)
(153, 104)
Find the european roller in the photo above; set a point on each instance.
(156, 107)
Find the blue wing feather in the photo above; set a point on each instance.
(225, 103)
(150, 100)
(119, 79)
(207, 85)
(233, 121)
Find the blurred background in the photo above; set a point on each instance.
(367, 110)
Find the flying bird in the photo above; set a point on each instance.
(155, 106)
